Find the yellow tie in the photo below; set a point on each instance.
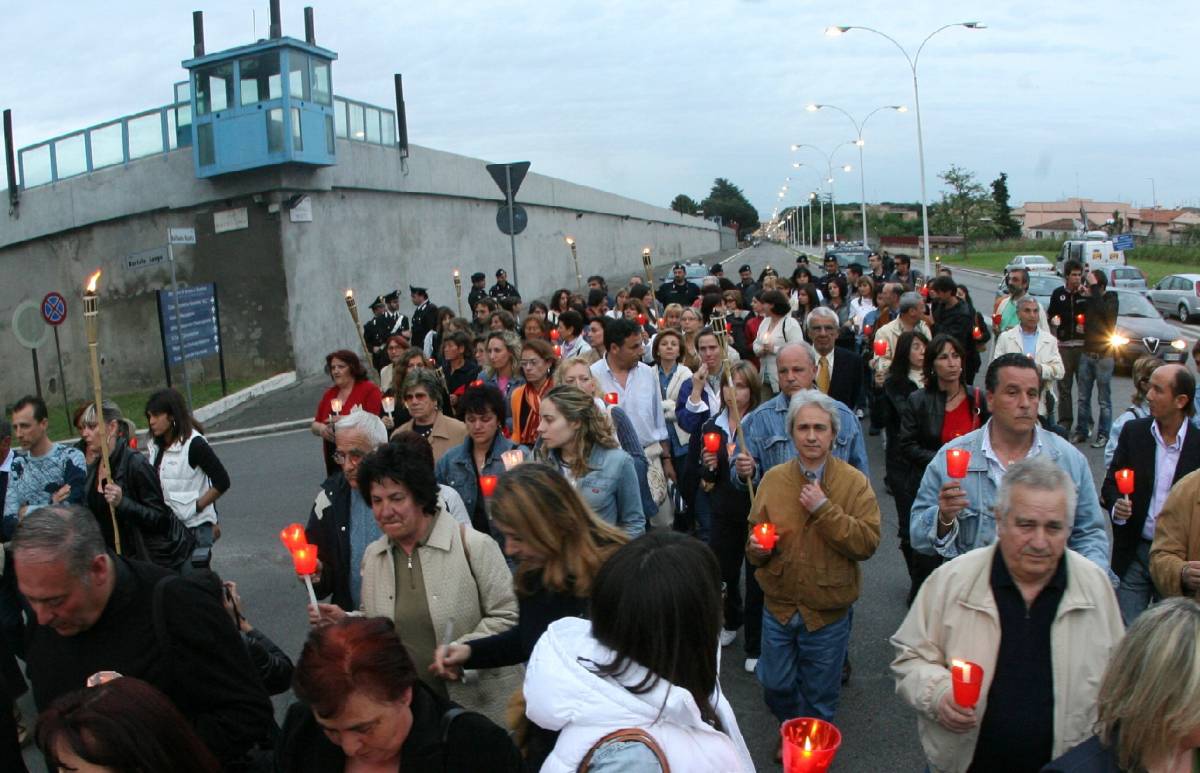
(823, 375)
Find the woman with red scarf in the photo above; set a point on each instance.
(537, 365)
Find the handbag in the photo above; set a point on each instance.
(628, 734)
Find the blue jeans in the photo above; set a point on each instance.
(1136, 590)
(1098, 371)
(801, 671)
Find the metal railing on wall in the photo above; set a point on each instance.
(161, 130)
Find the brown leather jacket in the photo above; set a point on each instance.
(814, 567)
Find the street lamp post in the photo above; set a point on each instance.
(862, 174)
(829, 168)
(836, 30)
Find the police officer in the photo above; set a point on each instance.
(376, 331)
(502, 288)
(679, 289)
(478, 289)
(399, 322)
(424, 317)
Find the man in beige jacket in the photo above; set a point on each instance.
(1038, 619)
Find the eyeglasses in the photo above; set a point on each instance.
(342, 458)
(411, 396)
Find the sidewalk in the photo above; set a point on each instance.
(295, 404)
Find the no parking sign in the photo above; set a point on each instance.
(54, 308)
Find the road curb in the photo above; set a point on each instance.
(264, 429)
(207, 413)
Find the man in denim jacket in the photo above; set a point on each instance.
(765, 427)
(951, 516)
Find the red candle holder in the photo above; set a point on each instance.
(477, 382)
(881, 348)
(488, 484)
(1124, 481)
(924, 291)
(558, 351)
(304, 558)
(809, 745)
(612, 398)
(765, 536)
(868, 330)
(977, 333)
(1079, 318)
(293, 537)
(712, 442)
(554, 334)
(957, 460)
(996, 319)
(641, 319)
(967, 679)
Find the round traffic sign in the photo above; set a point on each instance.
(54, 308)
(30, 330)
(520, 219)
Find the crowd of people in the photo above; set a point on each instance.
(540, 525)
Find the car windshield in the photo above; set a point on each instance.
(1043, 285)
(1134, 305)
(695, 271)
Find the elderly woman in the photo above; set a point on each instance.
(578, 439)
(393, 385)
(361, 706)
(1149, 703)
(826, 520)
(1143, 368)
(423, 392)
(463, 466)
(352, 388)
(438, 581)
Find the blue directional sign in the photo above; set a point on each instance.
(197, 325)
(1123, 242)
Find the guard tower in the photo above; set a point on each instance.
(264, 104)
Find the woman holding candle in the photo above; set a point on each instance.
(777, 329)
(653, 670)
(192, 476)
(423, 391)
(560, 545)
(905, 376)
(394, 412)
(537, 366)
(352, 388)
(430, 575)
(576, 437)
(671, 374)
(396, 349)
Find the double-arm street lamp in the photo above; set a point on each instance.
(836, 30)
(862, 175)
(829, 179)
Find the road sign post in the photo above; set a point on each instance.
(180, 236)
(54, 311)
(508, 178)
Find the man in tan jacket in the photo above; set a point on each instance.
(1175, 552)
(826, 519)
(1038, 619)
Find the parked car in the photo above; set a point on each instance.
(1126, 278)
(1177, 295)
(1031, 263)
(1141, 330)
(1041, 286)
(847, 254)
(695, 272)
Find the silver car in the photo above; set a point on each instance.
(1126, 278)
(1177, 295)
(1031, 263)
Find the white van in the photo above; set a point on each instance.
(1094, 250)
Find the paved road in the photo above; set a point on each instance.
(275, 477)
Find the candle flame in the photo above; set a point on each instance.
(645, 252)
(349, 295)
(92, 280)
(570, 242)
(964, 669)
(808, 743)
(456, 274)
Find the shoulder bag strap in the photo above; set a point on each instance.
(634, 734)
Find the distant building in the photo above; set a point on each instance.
(1163, 226)
(1063, 228)
(1048, 216)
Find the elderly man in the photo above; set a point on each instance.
(910, 316)
(1036, 618)
(1033, 340)
(952, 516)
(1006, 305)
(422, 391)
(827, 521)
(340, 523)
(97, 612)
(1160, 449)
(839, 370)
(766, 430)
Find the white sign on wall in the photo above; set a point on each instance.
(302, 212)
(230, 220)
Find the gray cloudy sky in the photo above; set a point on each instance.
(650, 99)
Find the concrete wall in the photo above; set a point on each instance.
(378, 222)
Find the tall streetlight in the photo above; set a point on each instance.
(836, 30)
(821, 201)
(829, 169)
(862, 175)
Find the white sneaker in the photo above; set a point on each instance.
(751, 664)
(727, 637)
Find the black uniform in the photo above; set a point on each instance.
(505, 290)
(375, 333)
(685, 295)
(476, 295)
(424, 319)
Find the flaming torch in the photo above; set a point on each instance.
(721, 329)
(353, 308)
(458, 289)
(91, 321)
(575, 257)
(649, 270)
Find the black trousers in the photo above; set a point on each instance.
(920, 565)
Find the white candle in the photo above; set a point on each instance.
(389, 404)
(512, 458)
(335, 405)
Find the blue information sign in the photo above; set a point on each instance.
(198, 328)
(1123, 242)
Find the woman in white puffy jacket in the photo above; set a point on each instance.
(192, 476)
(614, 687)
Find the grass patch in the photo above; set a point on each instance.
(133, 404)
(1157, 261)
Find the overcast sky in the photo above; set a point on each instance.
(651, 99)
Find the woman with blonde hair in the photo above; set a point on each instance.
(1148, 713)
(501, 369)
(672, 317)
(576, 437)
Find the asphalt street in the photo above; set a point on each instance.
(275, 478)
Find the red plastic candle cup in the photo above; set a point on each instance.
(293, 537)
(924, 291)
(1125, 481)
(304, 558)
(558, 350)
(868, 330)
(641, 319)
(966, 678)
(809, 745)
(996, 320)
(957, 460)
(765, 536)
(977, 333)
(488, 484)
(1079, 319)
(554, 334)
(611, 398)
(881, 348)
(712, 442)
(477, 382)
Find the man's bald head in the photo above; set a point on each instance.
(797, 365)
